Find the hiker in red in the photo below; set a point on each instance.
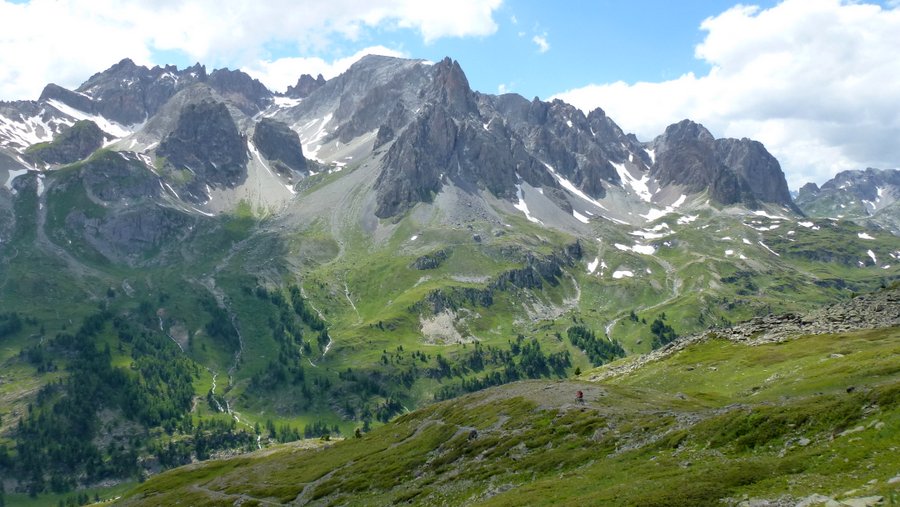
(579, 397)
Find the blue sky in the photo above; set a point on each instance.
(589, 42)
(815, 80)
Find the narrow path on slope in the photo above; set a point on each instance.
(673, 283)
(347, 295)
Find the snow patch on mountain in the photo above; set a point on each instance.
(581, 218)
(769, 249)
(639, 186)
(311, 135)
(523, 206)
(655, 214)
(24, 133)
(110, 127)
(13, 174)
(653, 233)
(568, 185)
(286, 102)
(622, 274)
(637, 248)
(864, 235)
(809, 225)
(766, 215)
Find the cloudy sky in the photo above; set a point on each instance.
(817, 81)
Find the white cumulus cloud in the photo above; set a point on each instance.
(541, 42)
(278, 74)
(67, 40)
(815, 81)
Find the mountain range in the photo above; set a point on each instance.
(203, 265)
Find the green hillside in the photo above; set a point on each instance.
(717, 421)
(279, 328)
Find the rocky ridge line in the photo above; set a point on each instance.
(869, 311)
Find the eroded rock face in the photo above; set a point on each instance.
(879, 187)
(71, 145)
(450, 140)
(305, 85)
(868, 311)
(128, 93)
(206, 142)
(281, 145)
(754, 164)
(248, 94)
(536, 272)
(133, 234)
(432, 260)
(734, 171)
(119, 177)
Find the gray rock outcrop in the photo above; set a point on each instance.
(869, 311)
(206, 142)
(305, 85)
(71, 145)
(734, 171)
(280, 145)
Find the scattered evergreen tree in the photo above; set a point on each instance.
(599, 351)
(663, 333)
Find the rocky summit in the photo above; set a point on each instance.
(388, 287)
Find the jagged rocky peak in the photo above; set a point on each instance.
(208, 146)
(129, 93)
(71, 145)
(864, 184)
(373, 72)
(855, 194)
(247, 93)
(808, 189)
(451, 87)
(449, 140)
(442, 145)
(281, 145)
(375, 91)
(605, 130)
(77, 100)
(578, 147)
(305, 86)
(686, 131)
(733, 171)
(754, 164)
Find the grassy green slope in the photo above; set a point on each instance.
(715, 269)
(814, 415)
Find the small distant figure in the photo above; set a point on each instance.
(579, 397)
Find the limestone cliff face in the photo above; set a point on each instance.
(244, 92)
(305, 86)
(450, 140)
(207, 144)
(128, 93)
(71, 145)
(734, 171)
(281, 145)
(871, 194)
